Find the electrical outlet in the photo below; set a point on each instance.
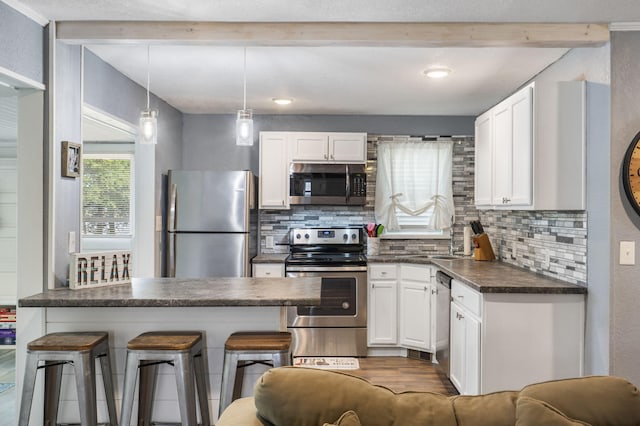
(627, 252)
(269, 241)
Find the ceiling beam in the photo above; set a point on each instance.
(336, 33)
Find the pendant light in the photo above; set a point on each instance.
(148, 125)
(244, 121)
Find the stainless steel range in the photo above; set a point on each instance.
(338, 325)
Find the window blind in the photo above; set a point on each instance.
(107, 195)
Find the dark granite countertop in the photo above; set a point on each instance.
(489, 277)
(176, 292)
(270, 258)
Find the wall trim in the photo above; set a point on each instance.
(624, 26)
(27, 11)
(19, 81)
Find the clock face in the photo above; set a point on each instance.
(631, 173)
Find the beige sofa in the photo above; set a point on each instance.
(294, 396)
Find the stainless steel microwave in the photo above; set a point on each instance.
(327, 184)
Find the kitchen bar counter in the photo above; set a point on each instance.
(176, 292)
(489, 276)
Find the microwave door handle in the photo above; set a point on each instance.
(348, 183)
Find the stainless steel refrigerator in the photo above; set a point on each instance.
(212, 223)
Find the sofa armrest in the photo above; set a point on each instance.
(241, 412)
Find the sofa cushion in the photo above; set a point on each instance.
(301, 396)
(350, 418)
(596, 400)
(531, 412)
(493, 409)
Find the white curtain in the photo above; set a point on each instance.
(414, 177)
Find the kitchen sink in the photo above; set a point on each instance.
(431, 256)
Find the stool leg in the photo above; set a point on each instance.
(238, 381)
(201, 383)
(186, 388)
(129, 388)
(146, 392)
(281, 358)
(29, 383)
(107, 379)
(52, 383)
(85, 372)
(229, 370)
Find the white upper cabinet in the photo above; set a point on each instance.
(530, 149)
(328, 147)
(274, 178)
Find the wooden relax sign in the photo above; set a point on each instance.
(98, 269)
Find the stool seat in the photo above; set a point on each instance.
(165, 340)
(258, 341)
(74, 341)
(245, 348)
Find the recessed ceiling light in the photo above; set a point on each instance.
(437, 72)
(282, 101)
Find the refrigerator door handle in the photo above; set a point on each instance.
(171, 220)
(171, 255)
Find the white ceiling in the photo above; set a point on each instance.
(332, 80)
(329, 80)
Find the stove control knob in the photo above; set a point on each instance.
(306, 236)
(297, 236)
(353, 236)
(345, 237)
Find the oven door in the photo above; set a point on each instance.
(343, 300)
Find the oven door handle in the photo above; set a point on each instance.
(325, 269)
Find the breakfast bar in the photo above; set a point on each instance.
(216, 306)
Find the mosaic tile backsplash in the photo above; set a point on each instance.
(547, 242)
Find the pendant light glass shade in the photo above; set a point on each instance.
(244, 128)
(148, 124)
(148, 127)
(244, 121)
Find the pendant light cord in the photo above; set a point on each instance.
(148, 73)
(244, 73)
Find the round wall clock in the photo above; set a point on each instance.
(631, 173)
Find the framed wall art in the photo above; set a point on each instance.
(71, 157)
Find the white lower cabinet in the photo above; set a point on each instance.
(464, 368)
(505, 341)
(268, 269)
(382, 319)
(415, 307)
(399, 306)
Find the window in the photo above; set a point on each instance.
(107, 195)
(414, 191)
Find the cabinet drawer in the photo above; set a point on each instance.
(268, 270)
(381, 271)
(466, 297)
(416, 273)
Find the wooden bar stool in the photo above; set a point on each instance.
(242, 349)
(80, 349)
(181, 349)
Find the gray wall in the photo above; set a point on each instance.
(209, 140)
(625, 223)
(67, 113)
(21, 44)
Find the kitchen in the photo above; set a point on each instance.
(325, 123)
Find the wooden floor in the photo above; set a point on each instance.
(396, 373)
(404, 374)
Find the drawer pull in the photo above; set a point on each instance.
(461, 296)
(267, 273)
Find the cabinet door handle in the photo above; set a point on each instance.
(460, 297)
(325, 156)
(434, 291)
(426, 288)
(373, 285)
(459, 316)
